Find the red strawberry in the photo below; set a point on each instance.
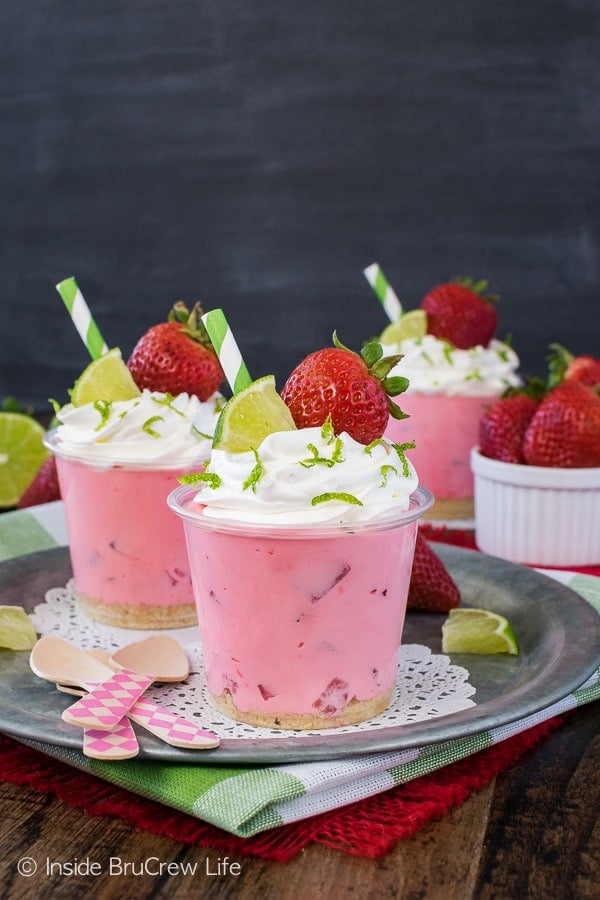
(565, 430)
(353, 390)
(460, 313)
(564, 366)
(585, 369)
(432, 588)
(44, 487)
(503, 425)
(176, 356)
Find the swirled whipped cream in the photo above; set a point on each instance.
(307, 476)
(154, 427)
(434, 366)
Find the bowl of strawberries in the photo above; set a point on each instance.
(537, 468)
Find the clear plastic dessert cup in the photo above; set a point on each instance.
(537, 515)
(300, 625)
(127, 550)
(445, 428)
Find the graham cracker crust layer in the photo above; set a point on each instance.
(143, 616)
(355, 711)
(451, 508)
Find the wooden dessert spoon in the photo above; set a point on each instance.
(113, 695)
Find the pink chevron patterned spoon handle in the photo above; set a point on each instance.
(106, 703)
(171, 728)
(54, 659)
(164, 724)
(118, 743)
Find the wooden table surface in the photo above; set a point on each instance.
(532, 832)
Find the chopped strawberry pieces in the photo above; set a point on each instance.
(341, 575)
(265, 693)
(334, 698)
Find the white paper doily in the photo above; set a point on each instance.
(428, 685)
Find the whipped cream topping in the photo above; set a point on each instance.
(153, 427)
(307, 476)
(433, 366)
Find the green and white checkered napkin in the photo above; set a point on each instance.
(248, 800)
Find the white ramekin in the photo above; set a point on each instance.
(537, 515)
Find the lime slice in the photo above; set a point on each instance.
(478, 631)
(21, 454)
(16, 629)
(106, 378)
(253, 413)
(412, 324)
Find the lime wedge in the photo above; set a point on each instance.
(16, 629)
(106, 378)
(253, 413)
(412, 324)
(21, 454)
(478, 631)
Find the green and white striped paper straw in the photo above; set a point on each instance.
(383, 291)
(226, 349)
(82, 317)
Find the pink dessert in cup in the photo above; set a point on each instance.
(301, 542)
(455, 367)
(301, 606)
(116, 465)
(121, 443)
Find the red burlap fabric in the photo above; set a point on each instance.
(368, 828)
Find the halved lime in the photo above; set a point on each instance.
(253, 413)
(412, 324)
(21, 454)
(106, 378)
(478, 631)
(16, 629)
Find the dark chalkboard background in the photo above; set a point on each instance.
(257, 154)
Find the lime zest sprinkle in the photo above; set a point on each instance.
(448, 353)
(167, 401)
(373, 444)
(386, 471)
(400, 450)
(474, 376)
(255, 475)
(336, 456)
(55, 405)
(102, 407)
(147, 426)
(125, 412)
(327, 432)
(203, 434)
(211, 479)
(342, 496)
(338, 450)
(315, 459)
(428, 359)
